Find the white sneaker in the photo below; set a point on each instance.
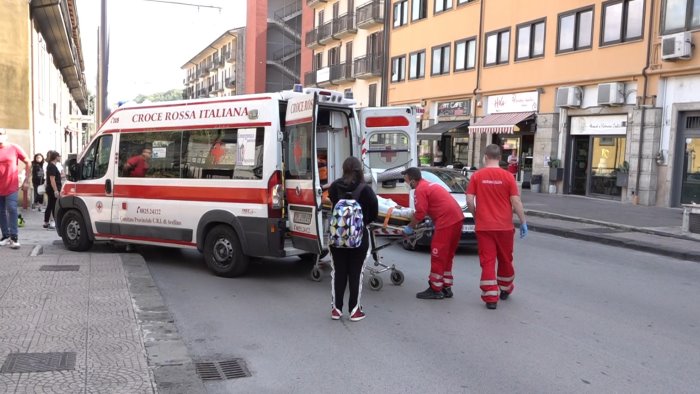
(5, 241)
(14, 244)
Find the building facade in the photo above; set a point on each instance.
(579, 91)
(43, 94)
(216, 71)
(348, 48)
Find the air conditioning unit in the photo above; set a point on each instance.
(611, 93)
(569, 96)
(676, 46)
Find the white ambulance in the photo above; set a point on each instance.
(234, 177)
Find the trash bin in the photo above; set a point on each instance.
(535, 183)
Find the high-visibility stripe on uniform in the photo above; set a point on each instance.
(488, 283)
(489, 293)
(506, 279)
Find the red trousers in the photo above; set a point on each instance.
(495, 245)
(442, 253)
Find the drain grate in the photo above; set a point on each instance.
(222, 370)
(59, 268)
(38, 362)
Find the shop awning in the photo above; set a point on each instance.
(436, 131)
(500, 123)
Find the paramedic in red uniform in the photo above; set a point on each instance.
(498, 197)
(431, 199)
(137, 166)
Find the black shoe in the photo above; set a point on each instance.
(504, 295)
(491, 305)
(429, 294)
(447, 292)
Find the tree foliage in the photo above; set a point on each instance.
(170, 95)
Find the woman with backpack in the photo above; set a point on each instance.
(348, 250)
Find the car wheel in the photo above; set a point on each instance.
(74, 233)
(223, 252)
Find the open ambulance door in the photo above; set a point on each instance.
(301, 182)
(388, 147)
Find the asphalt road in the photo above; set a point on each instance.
(583, 318)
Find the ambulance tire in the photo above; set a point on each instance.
(74, 232)
(223, 252)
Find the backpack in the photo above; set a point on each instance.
(346, 221)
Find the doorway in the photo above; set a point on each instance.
(687, 176)
(579, 178)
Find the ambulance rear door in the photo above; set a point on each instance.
(388, 147)
(301, 183)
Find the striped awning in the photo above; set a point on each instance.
(500, 123)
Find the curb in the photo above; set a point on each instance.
(37, 250)
(168, 357)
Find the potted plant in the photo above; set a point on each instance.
(622, 173)
(556, 173)
(424, 160)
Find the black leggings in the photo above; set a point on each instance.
(347, 267)
(50, 206)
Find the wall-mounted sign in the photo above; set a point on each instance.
(599, 125)
(454, 108)
(323, 75)
(516, 102)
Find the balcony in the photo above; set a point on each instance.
(200, 73)
(344, 25)
(341, 73)
(203, 92)
(312, 39)
(230, 83)
(313, 3)
(323, 76)
(370, 14)
(229, 57)
(369, 66)
(325, 33)
(310, 78)
(217, 87)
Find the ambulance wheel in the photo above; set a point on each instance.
(407, 244)
(375, 283)
(223, 252)
(74, 233)
(316, 274)
(396, 277)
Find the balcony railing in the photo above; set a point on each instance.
(325, 33)
(229, 57)
(312, 3)
(217, 87)
(310, 78)
(203, 92)
(370, 14)
(341, 73)
(369, 66)
(230, 83)
(344, 25)
(312, 39)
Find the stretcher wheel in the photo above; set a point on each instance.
(375, 283)
(316, 274)
(406, 243)
(396, 277)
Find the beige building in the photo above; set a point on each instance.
(215, 71)
(579, 91)
(42, 85)
(348, 44)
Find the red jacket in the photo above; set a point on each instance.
(435, 201)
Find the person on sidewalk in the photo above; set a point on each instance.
(53, 187)
(348, 263)
(498, 197)
(10, 156)
(431, 199)
(38, 179)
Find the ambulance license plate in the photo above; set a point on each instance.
(302, 217)
(467, 228)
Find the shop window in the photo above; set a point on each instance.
(388, 149)
(575, 30)
(401, 13)
(416, 65)
(622, 21)
(680, 15)
(497, 47)
(398, 69)
(442, 5)
(465, 54)
(420, 10)
(530, 40)
(607, 155)
(441, 60)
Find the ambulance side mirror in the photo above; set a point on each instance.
(73, 170)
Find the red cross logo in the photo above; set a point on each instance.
(388, 155)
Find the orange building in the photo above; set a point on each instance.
(569, 88)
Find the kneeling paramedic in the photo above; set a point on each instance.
(433, 200)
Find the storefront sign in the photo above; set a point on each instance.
(599, 125)
(517, 102)
(454, 108)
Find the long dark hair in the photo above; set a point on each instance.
(352, 170)
(40, 156)
(52, 155)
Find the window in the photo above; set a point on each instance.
(333, 56)
(401, 13)
(398, 69)
(575, 30)
(441, 60)
(465, 54)
(442, 5)
(420, 10)
(622, 21)
(460, 2)
(530, 40)
(388, 149)
(680, 15)
(497, 47)
(372, 95)
(318, 61)
(416, 65)
(96, 160)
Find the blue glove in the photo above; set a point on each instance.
(523, 230)
(407, 230)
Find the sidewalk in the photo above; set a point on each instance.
(84, 322)
(650, 229)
